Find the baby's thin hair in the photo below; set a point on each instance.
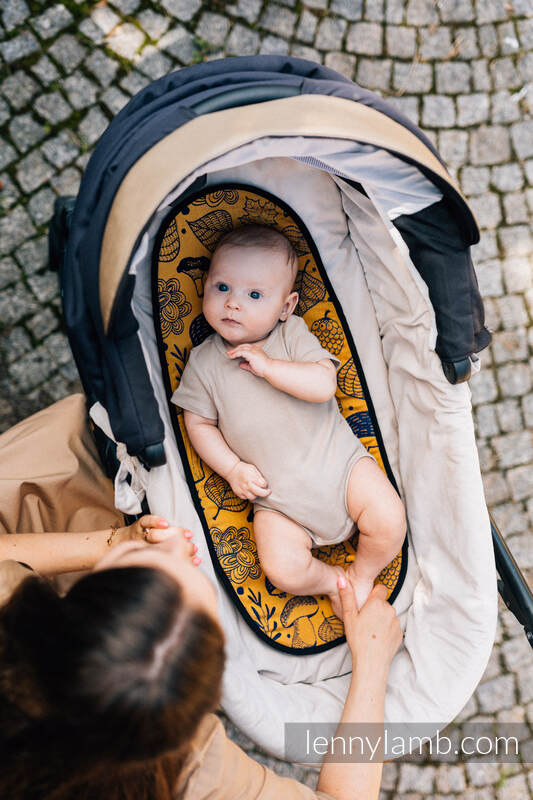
(254, 235)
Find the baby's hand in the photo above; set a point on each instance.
(247, 482)
(255, 359)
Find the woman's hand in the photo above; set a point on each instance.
(153, 529)
(247, 482)
(373, 634)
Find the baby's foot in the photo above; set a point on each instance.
(334, 596)
(362, 586)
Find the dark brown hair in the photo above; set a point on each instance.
(102, 690)
(255, 235)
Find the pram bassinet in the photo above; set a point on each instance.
(393, 233)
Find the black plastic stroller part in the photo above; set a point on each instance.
(244, 95)
(59, 231)
(457, 371)
(512, 585)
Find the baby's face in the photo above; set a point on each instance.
(247, 290)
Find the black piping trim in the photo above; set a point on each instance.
(179, 203)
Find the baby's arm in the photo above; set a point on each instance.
(245, 479)
(314, 381)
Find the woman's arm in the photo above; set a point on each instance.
(373, 635)
(53, 553)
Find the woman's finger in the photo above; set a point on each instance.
(153, 521)
(347, 596)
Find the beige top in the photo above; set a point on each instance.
(304, 450)
(215, 768)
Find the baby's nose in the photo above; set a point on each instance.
(232, 302)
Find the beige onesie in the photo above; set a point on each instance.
(305, 450)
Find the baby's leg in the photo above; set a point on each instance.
(378, 512)
(284, 550)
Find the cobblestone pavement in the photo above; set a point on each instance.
(461, 69)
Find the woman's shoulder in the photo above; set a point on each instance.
(217, 767)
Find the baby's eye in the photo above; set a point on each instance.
(255, 295)
(222, 287)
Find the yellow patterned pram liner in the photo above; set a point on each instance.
(182, 252)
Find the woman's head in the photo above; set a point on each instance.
(118, 672)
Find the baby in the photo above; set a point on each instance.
(259, 408)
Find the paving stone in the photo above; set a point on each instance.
(456, 10)
(102, 67)
(14, 13)
(125, 40)
(434, 43)
(438, 111)
(490, 11)
(330, 33)
(15, 344)
(504, 107)
(496, 694)
(33, 255)
(525, 33)
(487, 209)
(349, 9)
(18, 89)
(15, 226)
(465, 44)
(92, 31)
(183, 10)
(481, 79)
(93, 125)
(488, 39)
(53, 107)
(104, 18)
(277, 20)
(480, 773)
(487, 425)
(5, 112)
(32, 171)
(522, 136)
(489, 144)
(511, 518)
(16, 302)
(495, 486)
(516, 653)
(509, 346)
(421, 12)
(9, 272)
(68, 52)
(515, 208)
(507, 178)
(62, 149)
(505, 74)
(509, 416)
(522, 548)
(415, 78)
(8, 154)
(416, 778)
(306, 28)
(19, 47)
(374, 10)
(516, 240)
(81, 92)
(365, 38)
(377, 76)
(68, 181)
(319, 4)
(475, 180)
(45, 70)
(303, 51)
(527, 407)
(400, 41)
(450, 778)
(273, 45)
(247, 9)
(493, 668)
(42, 323)
(242, 41)
(114, 99)
(152, 62)
(54, 20)
(483, 387)
(514, 449)
(41, 206)
(513, 788)
(31, 369)
(179, 43)
(472, 109)
(9, 193)
(452, 78)
(126, 7)
(342, 63)
(154, 24)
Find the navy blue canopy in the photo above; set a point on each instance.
(108, 352)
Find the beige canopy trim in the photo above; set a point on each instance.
(209, 136)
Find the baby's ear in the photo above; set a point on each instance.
(289, 305)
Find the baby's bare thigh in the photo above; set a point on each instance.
(276, 534)
(368, 486)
